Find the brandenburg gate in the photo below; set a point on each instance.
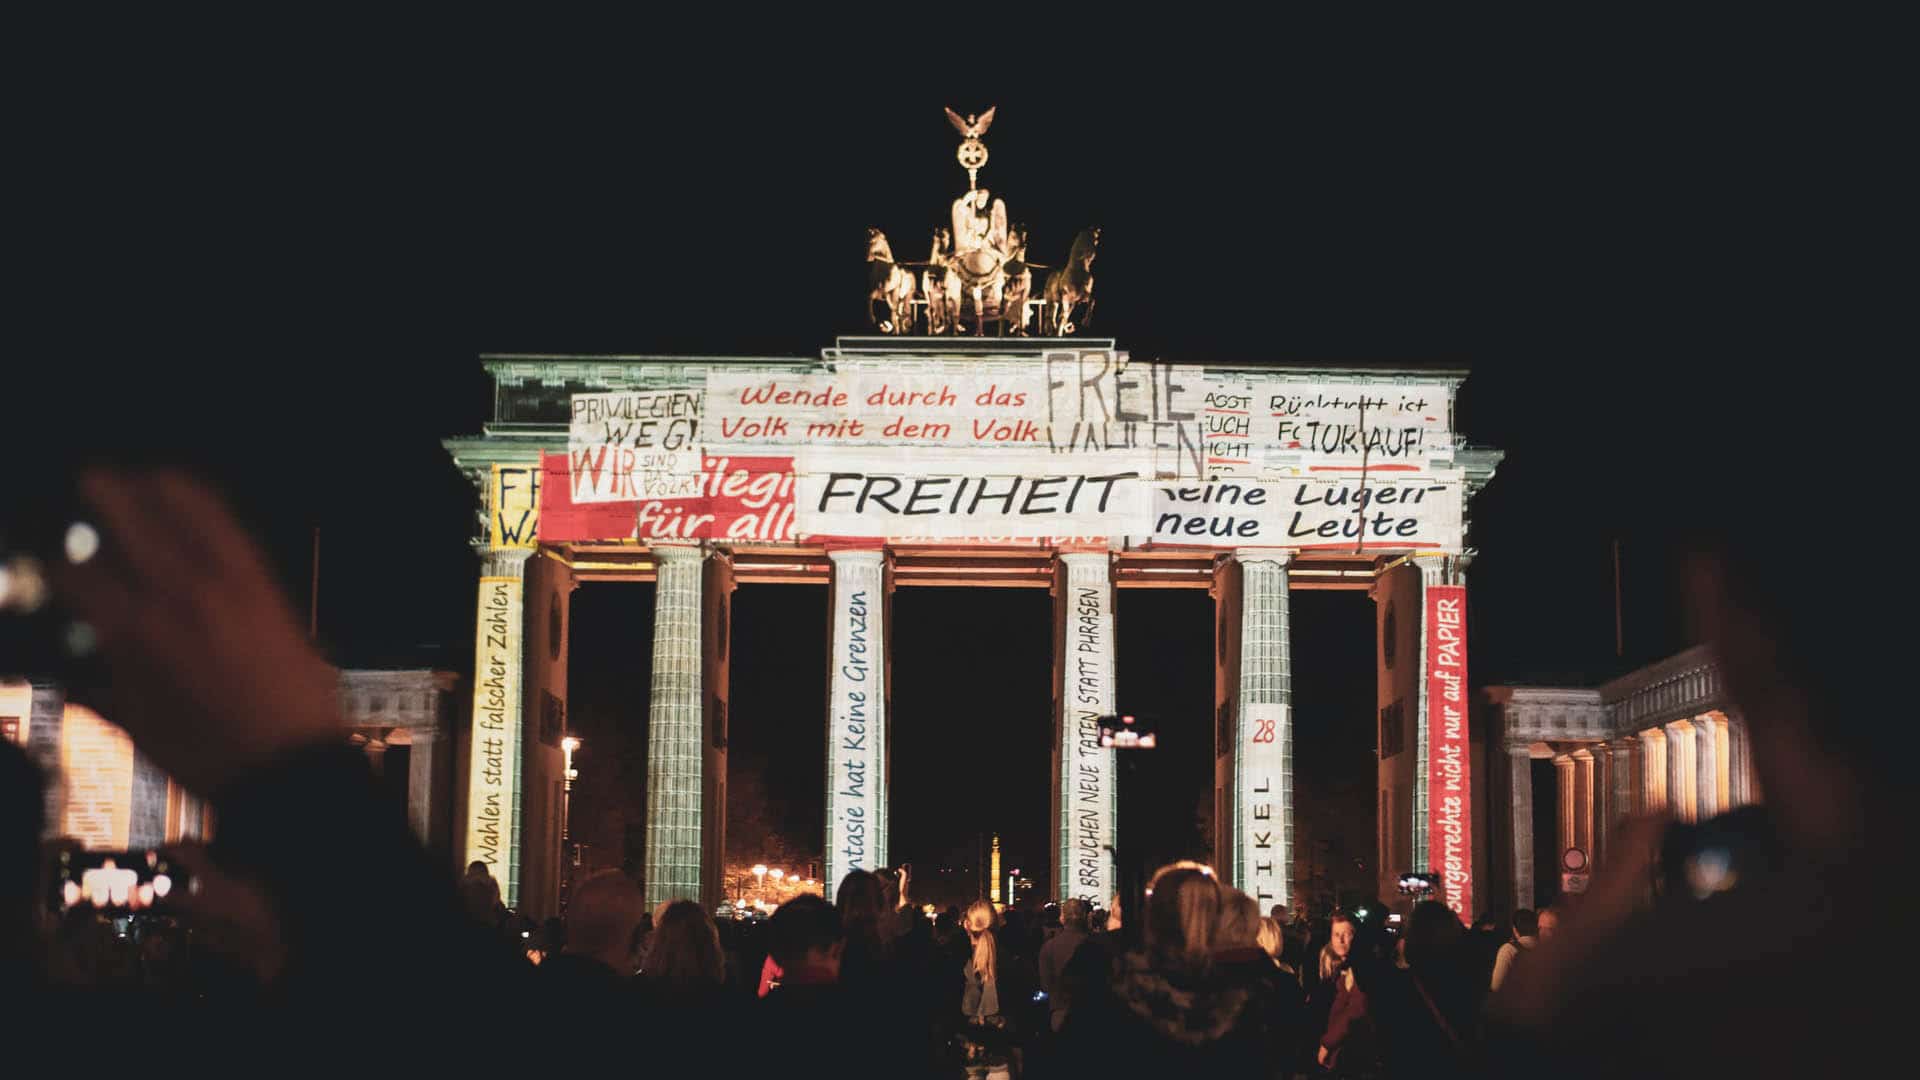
(1005, 462)
(939, 453)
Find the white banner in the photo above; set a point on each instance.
(856, 754)
(494, 758)
(857, 406)
(1330, 511)
(1263, 855)
(624, 445)
(1289, 426)
(1087, 772)
(870, 491)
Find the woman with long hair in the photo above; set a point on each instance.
(1183, 911)
(1198, 998)
(983, 1039)
(862, 901)
(683, 953)
(1240, 922)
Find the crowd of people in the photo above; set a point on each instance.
(315, 906)
(1205, 984)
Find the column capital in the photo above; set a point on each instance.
(1248, 556)
(1084, 558)
(1441, 569)
(676, 553)
(501, 562)
(871, 556)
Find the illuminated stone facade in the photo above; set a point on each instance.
(1665, 738)
(709, 528)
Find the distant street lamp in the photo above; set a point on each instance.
(776, 873)
(759, 875)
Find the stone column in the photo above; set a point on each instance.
(856, 719)
(1520, 769)
(491, 831)
(1263, 733)
(1089, 785)
(1622, 772)
(1740, 761)
(1710, 750)
(674, 751)
(1653, 771)
(147, 817)
(1564, 783)
(1683, 781)
(1584, 792)
(426, 745)
(46, 714)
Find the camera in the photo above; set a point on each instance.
(1701, 860)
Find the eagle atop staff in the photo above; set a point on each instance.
(973, 126)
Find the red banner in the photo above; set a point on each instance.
(746, 499)
(1449, 772)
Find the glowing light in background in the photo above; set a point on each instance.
(82, 542)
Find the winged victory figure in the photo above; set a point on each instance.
(973, 126)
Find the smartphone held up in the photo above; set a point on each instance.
(115, 880)
(1128, 732)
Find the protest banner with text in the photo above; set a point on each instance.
(1283, 427)
(1326, 512)
(634, 444)
(1449, 770)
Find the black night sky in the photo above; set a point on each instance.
(286, 278)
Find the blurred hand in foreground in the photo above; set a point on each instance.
(209, 671)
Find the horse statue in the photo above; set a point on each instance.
(943, 303)
(888, 284)
(1018, 273)
(1070, 286)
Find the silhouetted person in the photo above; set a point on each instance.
(603, 939)
(683, 977)
(1173, 1010)
(1526, 935)
(1428, 1010)
(21, 811)
(1057, 953)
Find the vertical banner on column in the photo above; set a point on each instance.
(854, 752)
(1263, 766)
(495, 755)
(1449, 775)
(1088, 779)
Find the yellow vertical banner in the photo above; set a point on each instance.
(494, 761)
(513, 507)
